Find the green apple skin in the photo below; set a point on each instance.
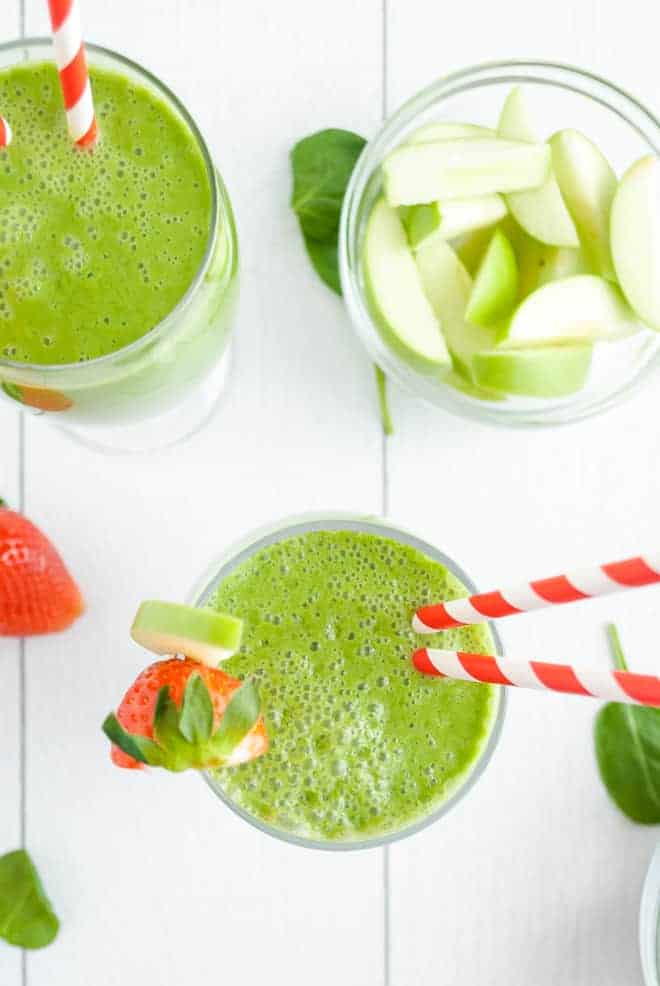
(395, 294)
(495, 289)
(455, 169)
(420, 221)
(552, 371)
(588, 185)
(635, 238)
(541, 212)
(448, 285)
(448, 131)
(172, 628)
(584, 307)
(452, 218)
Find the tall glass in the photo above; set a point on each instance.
(620, 125)
(238, 553)
(165, 385)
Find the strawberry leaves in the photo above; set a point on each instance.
(196, 722)
(184, 737)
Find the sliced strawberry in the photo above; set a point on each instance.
(180, 714)
(38, 397)
(37, 594)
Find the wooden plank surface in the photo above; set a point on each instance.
(10, 670)
(535, 879)
(157, 882)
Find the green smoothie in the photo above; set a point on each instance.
(96, 247)
(361, 744)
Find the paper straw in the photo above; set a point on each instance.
(5, 132)
(72, 65)
(615, 686)
(582, 584)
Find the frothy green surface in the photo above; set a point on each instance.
(96, 247)
(361, 743)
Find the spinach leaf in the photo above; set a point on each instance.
(26, 916)
(627, 739)
(322, 165)
(324, 260)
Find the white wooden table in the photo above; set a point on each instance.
(535, 879)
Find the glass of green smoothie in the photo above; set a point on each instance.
(498, 244)
(119, 264)
(363, 749)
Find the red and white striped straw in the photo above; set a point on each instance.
(615, 686)
(5, 132)
(581, 584)
(72, 65)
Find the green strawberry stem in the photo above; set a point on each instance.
(615, 646)
(3, 504)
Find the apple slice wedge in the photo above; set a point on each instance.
(172, 628)
(448, 285)
(448, 131)
(541, 212)
(635, 236)
(452, 218)
(543, 371)
(588, 185)
(584, 307)
(495, 289)
(457, 169)
(394, 288)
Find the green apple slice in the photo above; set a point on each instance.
(172, 628)
(403, 312)
(452, 218)
(458, 169)
(495, 289)
(448, 131)
(541, 212)
(588, 186)
(583, 307)
(448, 285)
(539, 264)
(635, 234)
(544, 371)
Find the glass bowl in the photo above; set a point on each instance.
(649, 923)
(291, 527)
(564, 97)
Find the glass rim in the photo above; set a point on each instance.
(649, 918)
(218, 210)
(288, 527)
(570, 78)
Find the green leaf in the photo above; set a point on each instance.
(627, 740)
(385, 416)
(322, 166)
(196, 720)
(27, 918)
(139, 747)
(324, 260)
(240, 716)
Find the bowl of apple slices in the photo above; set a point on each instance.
(500, 244)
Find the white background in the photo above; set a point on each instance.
(535, 879)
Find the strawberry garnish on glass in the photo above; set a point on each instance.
(37, 593)
(181, 714)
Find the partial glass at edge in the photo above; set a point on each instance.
(566, 97)
(165, 385)
(238, 553)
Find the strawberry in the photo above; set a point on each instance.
(37, 594)
(38, 397)
(181, 714)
